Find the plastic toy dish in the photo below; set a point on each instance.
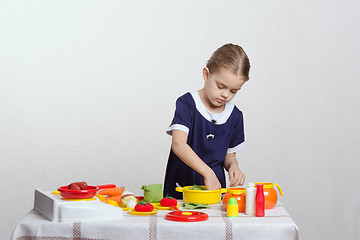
(133, 212)
(101, 197)
(158, 206)
(112, 203)
(186, 216)
(72, 199)
(90, 192)
(124, 208)
(77, 200)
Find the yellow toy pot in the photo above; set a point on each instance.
(201, 196)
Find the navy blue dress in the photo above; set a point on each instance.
(210, 135)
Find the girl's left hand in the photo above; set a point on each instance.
(236, 177)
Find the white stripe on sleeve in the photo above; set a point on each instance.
(177, 127)
(236, 148)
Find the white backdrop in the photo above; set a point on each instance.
(88, 88)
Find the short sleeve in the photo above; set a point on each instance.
(183, 116)
(237, 137)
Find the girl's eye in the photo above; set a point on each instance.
(220, 87)
(233, 91)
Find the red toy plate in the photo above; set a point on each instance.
(186, 216)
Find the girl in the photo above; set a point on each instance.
(207, 129)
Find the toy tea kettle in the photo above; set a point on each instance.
(270, 194)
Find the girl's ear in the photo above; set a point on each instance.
(206, 73)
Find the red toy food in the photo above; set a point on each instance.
(169, 202)
(82, 185)
(78, 186)
(73, 186)
(144, 207)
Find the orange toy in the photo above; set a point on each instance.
(116, 198)
(112, 191)
(270, 194)
(238, 194)
(114, 194)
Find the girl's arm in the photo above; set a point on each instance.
(190, 158)
(236, 177)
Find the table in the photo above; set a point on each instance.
(277, 224)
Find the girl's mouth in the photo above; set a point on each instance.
(220, 100)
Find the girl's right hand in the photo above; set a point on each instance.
(212, 182)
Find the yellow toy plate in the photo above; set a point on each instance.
(80, 199)
(158, 206)
(133, 212)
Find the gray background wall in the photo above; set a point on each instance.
(87, 89)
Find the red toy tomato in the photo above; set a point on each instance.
(144, 207)
(169, 202)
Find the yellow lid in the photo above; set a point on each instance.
(236, 191)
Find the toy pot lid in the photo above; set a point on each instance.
(236, 191)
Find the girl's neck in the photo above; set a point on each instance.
(209, 106)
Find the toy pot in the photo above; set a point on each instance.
(238, 194)
(201, 196)
(270, 194)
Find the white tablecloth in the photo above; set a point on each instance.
(277, 224)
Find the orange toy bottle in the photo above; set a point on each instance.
(238, 194)
(270, 194)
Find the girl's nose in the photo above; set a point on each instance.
(225, 94)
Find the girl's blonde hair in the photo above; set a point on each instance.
(231, 57)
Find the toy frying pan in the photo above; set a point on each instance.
(80, 194)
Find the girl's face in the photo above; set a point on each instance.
(221, 87)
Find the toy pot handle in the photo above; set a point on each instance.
(223, 190)
(179, 189)
(279, 189)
